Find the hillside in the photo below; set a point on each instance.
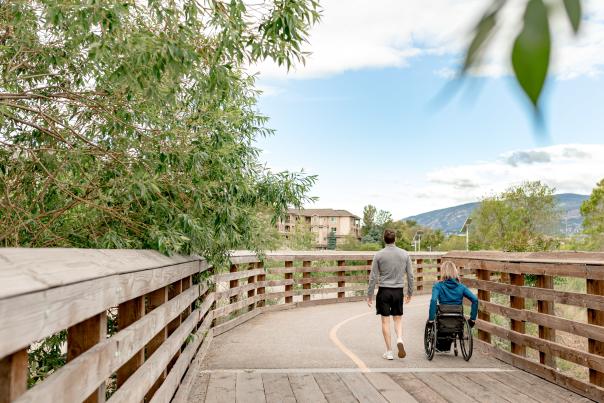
(451, 219)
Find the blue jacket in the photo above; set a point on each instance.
(451, 292)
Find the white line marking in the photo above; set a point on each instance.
(352, 370)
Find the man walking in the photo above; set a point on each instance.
(389, 266)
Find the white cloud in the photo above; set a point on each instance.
(570, 168)
(361, 34)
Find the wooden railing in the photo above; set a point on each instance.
(166, 310)
(542, 312)
(281, 280)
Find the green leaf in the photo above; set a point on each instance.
(573, 11)
(482, 34)
(531, 52)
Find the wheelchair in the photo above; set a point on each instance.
(449, 327)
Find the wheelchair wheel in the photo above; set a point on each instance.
(430, 340)
(465, 341)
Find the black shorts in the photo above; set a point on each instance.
(389, 302)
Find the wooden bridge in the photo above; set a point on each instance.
(141, 326)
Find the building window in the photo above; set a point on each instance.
(287, 228)
(333, 219)
(334, 229)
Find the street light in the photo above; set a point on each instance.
(466, 229)
(417, 240)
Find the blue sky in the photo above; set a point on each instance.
(377, 128)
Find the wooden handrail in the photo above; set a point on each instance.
(506, 274)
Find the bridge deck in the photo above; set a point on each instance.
(333, 353)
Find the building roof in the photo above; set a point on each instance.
(322, 212)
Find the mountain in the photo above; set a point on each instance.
(451, 219)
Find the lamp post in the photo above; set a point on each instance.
(466, 229)
(417, 240)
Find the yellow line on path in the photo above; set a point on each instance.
(333, 335)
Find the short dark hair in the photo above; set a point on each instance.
(389, 236)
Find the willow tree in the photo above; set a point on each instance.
(131, 124)
(592, 211)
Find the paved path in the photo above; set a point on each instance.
(334, 353)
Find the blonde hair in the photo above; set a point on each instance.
(449, 270)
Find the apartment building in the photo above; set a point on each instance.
(321, 222)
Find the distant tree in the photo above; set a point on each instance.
(301, 237)
(453, 242)
(369, 213)
(374, 223)
(432, 239)
(522, 218)
(592, 211)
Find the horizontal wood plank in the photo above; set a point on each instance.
(545, 267)
(31, 317)
(99, 362)
(543, 294)
(27, 270)
(168, 387)
(549, 347)
(328, 269)
(566, 325)
(236, 275)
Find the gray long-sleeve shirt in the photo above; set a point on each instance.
(389, 265)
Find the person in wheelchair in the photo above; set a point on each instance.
(447, 303)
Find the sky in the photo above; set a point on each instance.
(377, 114)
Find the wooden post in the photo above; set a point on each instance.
(173, 290)
(548, 308)
(83, 336)
(342, 283)
(261, 278)
(306, 274)
(187, 282)
(595, 317)
(127, 313)
(251, 280)
(289, 288)
(13, 376)
(155, 299)
(419, 278)
(484, 295)
(517, 325)
(233, 284)
(369, 263)
(438, 264)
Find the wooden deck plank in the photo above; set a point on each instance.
(543, 395)
(500, 388)
(221, 387)
(479, 392)
(446, 389)
(305, 388)
(418, 389)
(361, 388)
(249, 388)
(333, 388)
(199, 390)
(391, 390)
(277, 388)
(543, 384)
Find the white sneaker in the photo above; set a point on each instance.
(388, 355)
